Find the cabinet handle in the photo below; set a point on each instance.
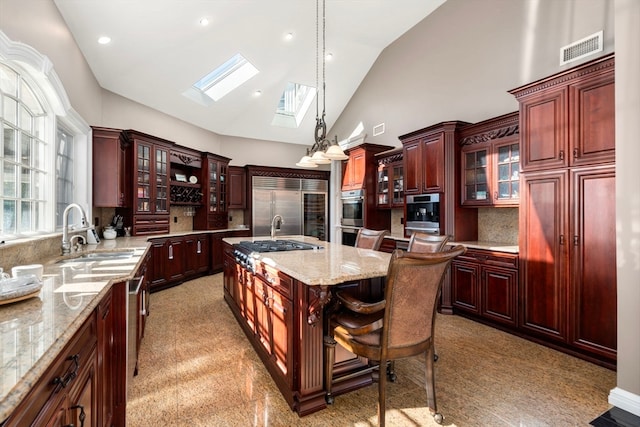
(562, 239)
(170, 251)
(575, 153)
(576, 240)
(561, 154)
(82, 415)
(62, 382)
(199, 247)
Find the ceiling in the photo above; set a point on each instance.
(158, 50)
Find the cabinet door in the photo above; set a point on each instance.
(593, 279)
(383, 199)
(506, 172)
(161, 181)
(106, 354)
(281, 313)
(465, 288)
(475, 175)
(175, 259)
(229, 274)
(433, 158)
(144, 179)
(412, 157)
(197, 254)
(111, 170)
(237, 188)
(355, 169)
(543, 253)
(216, 251)
(499, 294)
(157, 275)
(83, 399)
(592, 116)
(544, 134)
(262, 315)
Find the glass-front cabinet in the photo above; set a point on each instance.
(213, 215)
(390, 179)
(490, 163)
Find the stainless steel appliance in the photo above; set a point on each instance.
(302, 203)
(423, 213)
(349, 235)
(352, 208)
(136, 307)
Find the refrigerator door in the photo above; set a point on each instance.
(262, 212)
(314, 221)
(288, 204)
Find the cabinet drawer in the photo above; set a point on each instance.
(480, 256)
(144, 225)
(277, 280)
(61, 374)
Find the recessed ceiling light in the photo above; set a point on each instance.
(104, 40)
(288, 36)
(329, 56)
(204, 22)
(257, 93)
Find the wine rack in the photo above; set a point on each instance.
(185, 194)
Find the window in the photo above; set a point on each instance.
(39, 152)
(294, 103)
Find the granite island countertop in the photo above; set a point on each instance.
(331, 265)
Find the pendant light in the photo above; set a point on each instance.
(322, 151)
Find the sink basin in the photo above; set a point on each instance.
(277, 245)
(99, 256)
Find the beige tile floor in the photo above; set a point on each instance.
(198, 369)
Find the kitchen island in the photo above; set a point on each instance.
(281, 299)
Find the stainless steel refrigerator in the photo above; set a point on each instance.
(301, 202)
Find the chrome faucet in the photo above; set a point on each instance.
(66, 242)
(273, 225)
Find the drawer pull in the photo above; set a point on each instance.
(82, 415)
(69, 376)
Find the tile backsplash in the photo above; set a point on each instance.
(498, 225)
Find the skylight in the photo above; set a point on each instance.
(226, 77)
(293, 105)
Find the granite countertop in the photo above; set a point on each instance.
(331, 265)
(35, 330)
(490, 246)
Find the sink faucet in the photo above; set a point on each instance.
(273, 225)
(66, 242)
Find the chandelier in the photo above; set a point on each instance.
(323, 151)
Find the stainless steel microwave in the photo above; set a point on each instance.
(353, 208)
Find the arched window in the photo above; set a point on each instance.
(44, 149)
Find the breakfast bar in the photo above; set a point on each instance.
(280, 298)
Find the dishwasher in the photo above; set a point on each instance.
(136, 308)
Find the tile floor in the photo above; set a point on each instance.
(198, 369)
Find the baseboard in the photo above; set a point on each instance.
(625, 400)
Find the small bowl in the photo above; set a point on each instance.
(28, 270)
(109, 233)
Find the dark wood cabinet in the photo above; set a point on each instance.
(424, 163)
(186, 188)
(197, 250)
(237, 188)
(213, 214)
(150, 184)
(86, 380)
(353, 176)
(490, 162)
(390, 179)
(485, 284)
(567, 211)
(111, 168)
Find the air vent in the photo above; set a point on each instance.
(581, 48)
(378, 129)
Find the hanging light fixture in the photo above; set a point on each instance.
(323, 151)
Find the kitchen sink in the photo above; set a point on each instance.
(276, 245)
(99, 256)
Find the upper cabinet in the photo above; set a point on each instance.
(424, 158)
(186, 186)
(237, 188)
(569, 118)
(490, 162)
(111, 168)
(360, 169)
(150, 184)
(213, 214)
(390, 179)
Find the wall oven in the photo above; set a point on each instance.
(423, 214)
(352, 208)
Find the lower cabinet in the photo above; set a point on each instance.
(86, 383)
(485, 284)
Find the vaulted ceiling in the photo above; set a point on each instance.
(159, 49)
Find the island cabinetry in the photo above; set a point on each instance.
(150, 184)
(237, 188)
(485, 284)
(213, 214)
(567, 211)
(111, 168)
(390, 179)
(490, 162)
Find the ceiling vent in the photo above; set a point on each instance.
(581, 48)
(378, 129)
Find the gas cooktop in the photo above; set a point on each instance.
(276, 245)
